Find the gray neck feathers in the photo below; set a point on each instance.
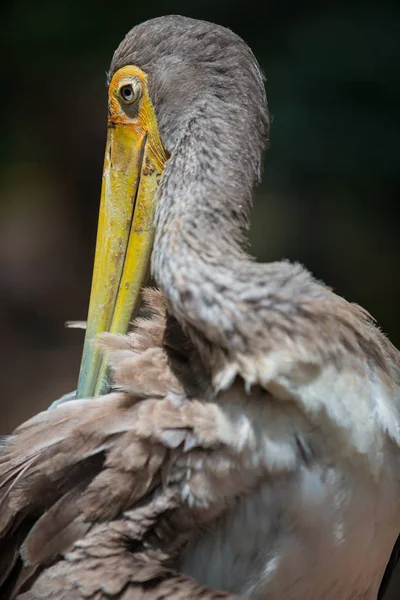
(212, 287)
(233, 308)
(236, 310)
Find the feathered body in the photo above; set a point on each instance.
(253, 442)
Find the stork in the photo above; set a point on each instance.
(250, 444)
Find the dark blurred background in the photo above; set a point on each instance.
(331, 175)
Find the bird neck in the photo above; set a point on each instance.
(237, 311)
(202, 221)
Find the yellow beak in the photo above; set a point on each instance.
(134, 160)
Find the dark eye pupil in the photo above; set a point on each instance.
(127, 92)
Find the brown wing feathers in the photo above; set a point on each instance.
(82, 513)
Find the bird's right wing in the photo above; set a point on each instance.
(62, 471)
(83, 512)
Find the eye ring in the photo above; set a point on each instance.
(130, 92)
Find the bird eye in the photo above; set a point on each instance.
(129, 92)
